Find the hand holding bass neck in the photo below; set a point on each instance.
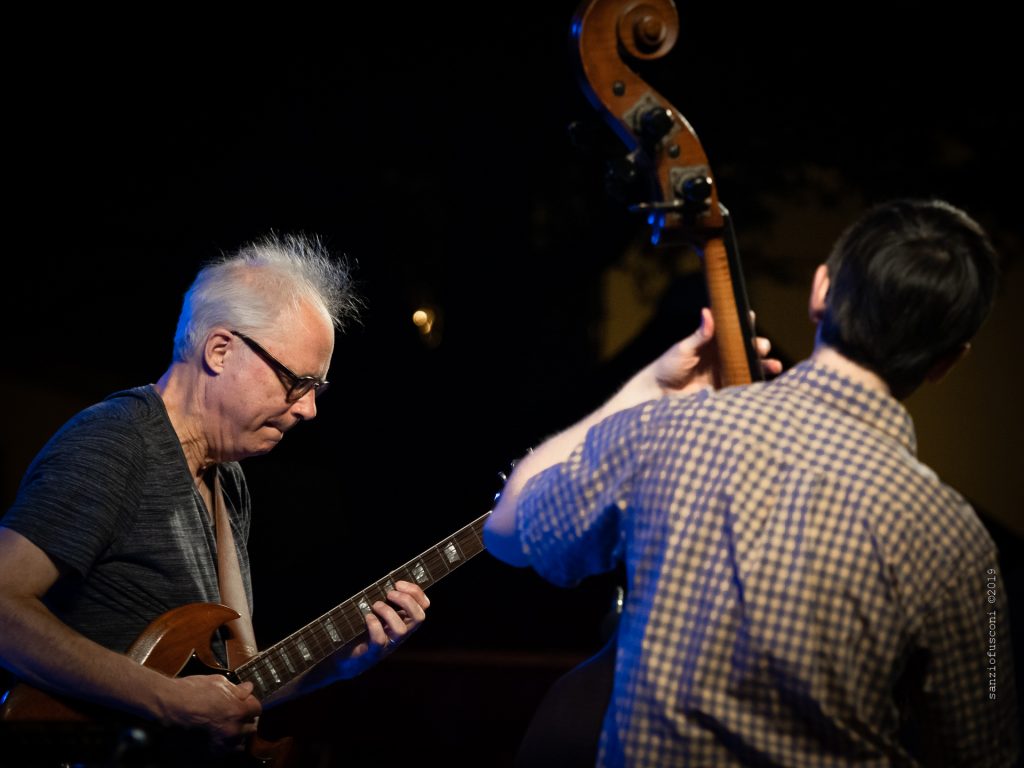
(679, 193)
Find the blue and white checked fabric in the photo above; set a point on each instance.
(802, 591)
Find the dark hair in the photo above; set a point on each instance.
(910, 282)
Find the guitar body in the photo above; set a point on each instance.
(177, 643)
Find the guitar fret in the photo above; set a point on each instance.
(354, 617)
(364, 605)
(319, 645)
(376, 592)
(272, 670)
(342, 611)
(258, 678)
(437, 560)
(420, 573)
(472, 535)
(303, 650)
(287, 659)
(453, 552)
(385, 586)
(316, 641)
(335, 637)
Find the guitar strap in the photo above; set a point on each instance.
(240, 638)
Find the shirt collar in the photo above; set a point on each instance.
(878, 410)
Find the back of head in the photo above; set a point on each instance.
(910, 282)
(250, 289)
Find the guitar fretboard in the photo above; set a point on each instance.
(345, 623)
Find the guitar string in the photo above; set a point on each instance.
(318, 642)
(278, 664)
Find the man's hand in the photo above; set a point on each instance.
(227, 712)
(686, 367)
(389, 625)
(689, 365)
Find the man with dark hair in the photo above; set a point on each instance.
(801, 589)
(910, 285)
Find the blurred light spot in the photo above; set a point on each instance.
(424, 320)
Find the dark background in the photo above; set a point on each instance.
(431, 148)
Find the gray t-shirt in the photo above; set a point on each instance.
(111, 500)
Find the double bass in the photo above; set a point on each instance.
(675, 190)
(665, 161)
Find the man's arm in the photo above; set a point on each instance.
(686, 367)
(47, 654)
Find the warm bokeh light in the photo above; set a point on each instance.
(424, 320)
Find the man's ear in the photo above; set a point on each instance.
(215, 350)
(819, 294)
(947, 362)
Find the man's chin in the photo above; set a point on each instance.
(269, 438)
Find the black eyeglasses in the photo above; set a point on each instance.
(296, 386)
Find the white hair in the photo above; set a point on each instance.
(250, 289)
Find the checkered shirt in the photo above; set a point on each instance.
(802, 591)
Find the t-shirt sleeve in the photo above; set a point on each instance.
(73, 500)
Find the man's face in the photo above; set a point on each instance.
(253, 406)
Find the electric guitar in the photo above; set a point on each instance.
(179, 642)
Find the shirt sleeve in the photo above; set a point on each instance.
(570, 517)
(969, 698)
(73, 501)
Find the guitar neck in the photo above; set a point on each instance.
(302, 650)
